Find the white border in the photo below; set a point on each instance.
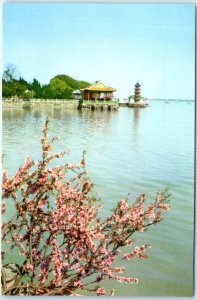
(112, 2)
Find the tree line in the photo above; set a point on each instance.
(59, 87)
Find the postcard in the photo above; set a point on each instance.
(98, 107)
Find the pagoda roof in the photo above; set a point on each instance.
(99, 87)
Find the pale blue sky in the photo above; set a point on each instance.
(116, 43)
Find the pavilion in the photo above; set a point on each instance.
(98, 91)
(77, 94)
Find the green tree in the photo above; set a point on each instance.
(7, 90)
(60, 88)
(21, 86)
(47, 92)
(9, 82)
(73, 83)
(37, 88)
(11, 73)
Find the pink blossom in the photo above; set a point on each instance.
(57, 262)
(119, 270)
(18, 237)
(123, 206)
(79, 284)
(57, 229)
(159, 197)
(44, 270)
(29, 267)
(100, 292)
(108, 261)
(3, 208)
(138, 252)
(33, 188)
(124, 279)
(129, 242)
(22, 249)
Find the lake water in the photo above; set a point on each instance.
(131, 150)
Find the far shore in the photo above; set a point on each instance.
(65, 103)
(38, 102)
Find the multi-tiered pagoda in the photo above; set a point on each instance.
(138, 100)
(137, 96)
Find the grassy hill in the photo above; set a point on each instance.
(64, 85)
(71, 82)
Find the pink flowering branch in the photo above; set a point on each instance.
(58, 234)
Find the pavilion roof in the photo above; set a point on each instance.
(99, 87)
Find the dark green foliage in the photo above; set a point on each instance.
(47, 93)
(60, 87)
(37, 88)
(12, 86)
(64, 85)
(7, 88)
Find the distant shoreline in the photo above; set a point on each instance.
(37, 100)
(178, 100)
(64, 103)
(40, 102)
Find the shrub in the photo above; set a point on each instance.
(57, 231)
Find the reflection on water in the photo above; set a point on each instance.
(136, 118)
(131, 150)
